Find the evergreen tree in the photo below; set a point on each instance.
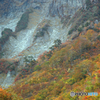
(88, 4)
(57, 42)
(29, 59)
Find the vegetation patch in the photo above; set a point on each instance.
(69, 69)
(23, 22)
(42, 31)
(89, 14)
(37, 68)
(4, 95)
(98, 37)
(30, 63)
(6, 33)
(6, 65)
(73, 67)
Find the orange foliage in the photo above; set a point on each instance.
(66, 73)
(4, 95)
(98, 71)
(74, 59)
(97, 26)
(81, 43)
(91, 34)
(55, 78)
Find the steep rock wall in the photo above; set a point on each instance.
(52, 10)
(55, 7)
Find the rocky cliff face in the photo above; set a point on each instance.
(51, 10)
(64, 7)
(54, 7)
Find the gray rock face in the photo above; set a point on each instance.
(8, 80)
(55, 7)
(13, 73)
(96, 21)
(64, 7)
(52, 10)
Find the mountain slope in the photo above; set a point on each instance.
(21, 30)
(71, 66)
(72, 63)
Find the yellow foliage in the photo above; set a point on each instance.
(85, 63)
(90, 34)
(43, 73)
(59, 98)
(98, 64)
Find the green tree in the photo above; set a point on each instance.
(42, 31)
(52, 48)
(29, 59)
(71, 31)
(38, 67)
(6, 33)
(57, 42)
(98, 38)
(88, 4)
(80, 29)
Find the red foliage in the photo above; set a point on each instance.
(85, 97)
(1, 63)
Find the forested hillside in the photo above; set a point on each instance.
(70, 66)
(74, 66)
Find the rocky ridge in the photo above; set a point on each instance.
(43, 9)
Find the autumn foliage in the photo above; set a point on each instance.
(74, 66)
(4, 95)
(6, 65)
